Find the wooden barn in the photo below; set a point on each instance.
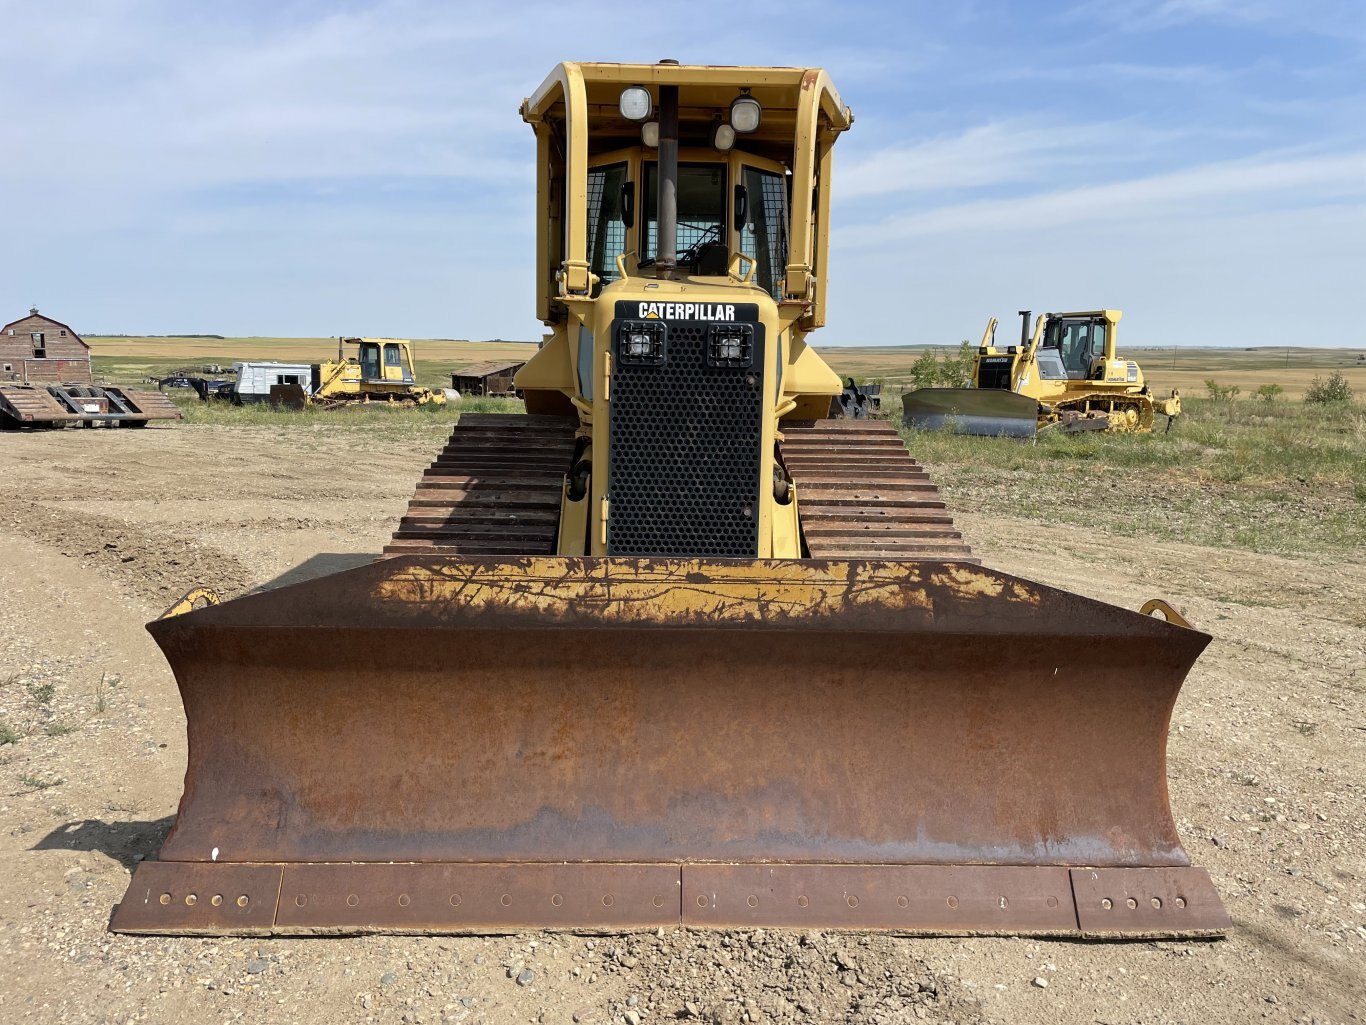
(486, 378)
(39, 350)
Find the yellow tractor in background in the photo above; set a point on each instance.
(675, 647)
(381, 371)
(1066, 375)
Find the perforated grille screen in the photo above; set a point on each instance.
(683, 471)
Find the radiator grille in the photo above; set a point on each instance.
(684, 466)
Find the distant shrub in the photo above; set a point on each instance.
(956, 371)
(1268, 392)
(1335, 389)
(925, 370)
(1221, 392)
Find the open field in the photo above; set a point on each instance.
(1186, 369)
(127, 360)
(1250, 517)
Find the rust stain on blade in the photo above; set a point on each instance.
(900, 898)
(494, 898)
(550, 710)
(1147, 900)
(198, 898)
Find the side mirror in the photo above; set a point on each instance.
(741, 207)
(628, 203)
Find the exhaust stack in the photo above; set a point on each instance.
(666, 255)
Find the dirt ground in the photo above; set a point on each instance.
(99, 530)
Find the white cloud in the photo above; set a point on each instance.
(1281, 277)
(996, 153)
(315, 166)
(1328, 17)
(1306, 180)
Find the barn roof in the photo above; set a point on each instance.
(33, 312)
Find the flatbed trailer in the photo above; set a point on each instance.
(63, 405)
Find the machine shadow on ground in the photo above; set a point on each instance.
(321, 565)
(126, 842)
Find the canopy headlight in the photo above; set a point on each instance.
(722, 136)
(745, 114)
(635, 103)
(649, 134)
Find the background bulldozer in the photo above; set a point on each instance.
(382, 370)
(603, 677)
(1066, 375)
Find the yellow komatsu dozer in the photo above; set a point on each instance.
(1067, 375)
(675, 646)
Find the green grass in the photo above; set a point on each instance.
(38, 783)
(9, 735)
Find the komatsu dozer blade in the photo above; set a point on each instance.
(438, 744)
(992, 412)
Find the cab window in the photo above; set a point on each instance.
(701, 215)
(606, 221)
(763, 236)
(1078, 342)
(369, 360)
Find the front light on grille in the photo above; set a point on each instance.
(641, 342)
(731, 345)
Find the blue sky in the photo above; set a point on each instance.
(360, 168)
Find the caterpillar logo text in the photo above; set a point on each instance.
(687, 311)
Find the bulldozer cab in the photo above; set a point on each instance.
(1077, 344)
(385, 361)
(724, 204)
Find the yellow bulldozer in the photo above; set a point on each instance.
(382, 370)
(674, 647)
(1066, 375)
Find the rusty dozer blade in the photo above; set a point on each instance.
(437, 744)
(992, 412)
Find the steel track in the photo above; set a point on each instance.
(862, 496)
(495, 490)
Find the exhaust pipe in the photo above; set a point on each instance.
(1024, 328)
(666, 255)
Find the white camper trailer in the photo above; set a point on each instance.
(255, 379)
